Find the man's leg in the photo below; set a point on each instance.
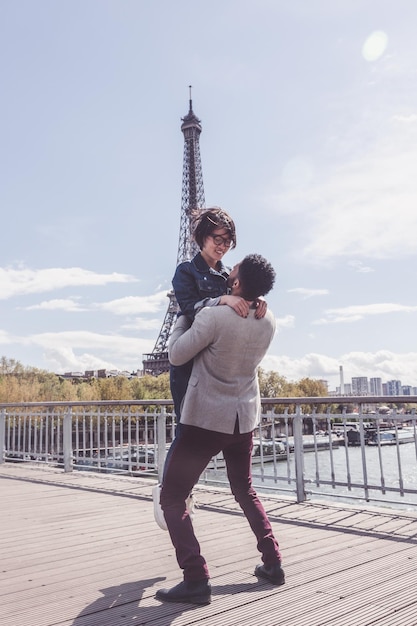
(193, 449)
(237, 455)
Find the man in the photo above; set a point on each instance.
(221, 408)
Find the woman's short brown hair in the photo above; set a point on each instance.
(209, 220)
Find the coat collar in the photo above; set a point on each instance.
(202, 266)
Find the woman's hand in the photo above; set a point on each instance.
(238, 304)
(261, 308)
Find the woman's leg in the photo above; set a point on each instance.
(179, 375)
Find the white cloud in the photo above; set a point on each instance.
(311, 365)
(406, 119)
(64, 359)
(381, 364)
(132, 305)
(80, 350)
(308, 293)
(285, 322)
(116, 344)
(22, 281)
(360, 267)
(6, 338)
(140, 324)
(57, 305)
(361, 202)
(367, 207)
(357, 312)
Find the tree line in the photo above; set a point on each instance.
(19, 383)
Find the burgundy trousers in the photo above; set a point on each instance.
(189, 455)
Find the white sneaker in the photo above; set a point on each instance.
(190, 505)
(157, 511)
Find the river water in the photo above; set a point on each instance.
(386, 466)
(388, 469)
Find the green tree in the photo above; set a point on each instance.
(115, 388)
(10, 366)
(151, 388)
(272, 384)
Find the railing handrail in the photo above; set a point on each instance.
(70, 403)
(341, 400)
(285, 401)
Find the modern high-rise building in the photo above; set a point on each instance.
(375, 386)
(394, 388)
(360, 386)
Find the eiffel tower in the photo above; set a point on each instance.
(192, 200)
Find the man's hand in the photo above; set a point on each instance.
(238, 304)
(261, 308)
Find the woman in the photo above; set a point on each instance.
(203, 282)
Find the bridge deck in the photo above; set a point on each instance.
(83, 549)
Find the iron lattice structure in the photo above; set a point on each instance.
(192, 200)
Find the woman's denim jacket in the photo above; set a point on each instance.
(196, 285)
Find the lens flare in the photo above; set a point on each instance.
(375, 46)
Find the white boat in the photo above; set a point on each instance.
(262, 452)
(267, 449)
(391, 437)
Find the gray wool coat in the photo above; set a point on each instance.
(227, 350)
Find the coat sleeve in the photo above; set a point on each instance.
(186, 289)
(186, 342)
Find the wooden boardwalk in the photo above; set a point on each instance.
(82, 549)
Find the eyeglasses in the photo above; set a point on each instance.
(219, 240)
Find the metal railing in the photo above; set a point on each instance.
(302, 447)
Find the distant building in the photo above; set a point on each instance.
(347, 390)
(360, 386)
(394, 388)
(375, 386)
(406, 390)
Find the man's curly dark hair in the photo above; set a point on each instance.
(256, 275)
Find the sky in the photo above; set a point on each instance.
(309, 118)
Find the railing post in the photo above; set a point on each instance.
(363, 453)
(2, 434)
(299, 454)
(162, 441)
(67, 440)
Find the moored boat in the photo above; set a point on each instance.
(391, 437)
